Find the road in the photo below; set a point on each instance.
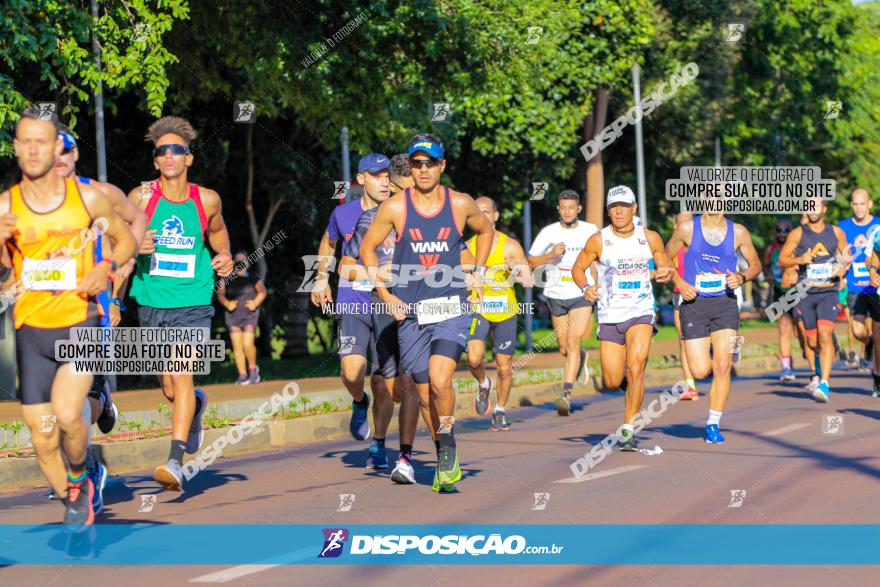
(779, 461)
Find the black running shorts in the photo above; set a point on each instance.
(701, 317)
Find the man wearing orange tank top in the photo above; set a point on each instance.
(42, 220)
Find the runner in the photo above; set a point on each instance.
(42, 220)
(691, 392)
(773, 275)
(558, 245)
(173, 280)
(862, 301)
(709, 314)
(498, 315)
(432, 312)
(812, 246)
(103, 410)
(400, 174)
(625, 253)
(386, 348)
(353, 308)
(242, 297)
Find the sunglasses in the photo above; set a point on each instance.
(419, 163)
(66, 151)
(175, 149)
(783, 229)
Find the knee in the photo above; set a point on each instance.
(826, 338)
(43, 442)
(701, 372)
(441, 386)
(635, 369)
(474, 360)
(67, 417)
(722, 366)
(610, 382)
(504, 371)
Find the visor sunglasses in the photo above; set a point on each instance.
(175, 149)
(430, 163)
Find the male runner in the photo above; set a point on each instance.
(40, 217)
(625, 253)
(709, 313)
(862, 300)
(812, 247)
(498, 315)
(558, 245)
(773, 275)
(173, 281)
(691, 393)
(103, 410)
(400, 174)
(386, 348)
(355, 321)
(430, 299)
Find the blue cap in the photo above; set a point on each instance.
(69, 141)
(431, 148)
(374, 163)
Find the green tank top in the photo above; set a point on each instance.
(179, 273)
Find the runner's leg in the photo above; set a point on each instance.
(638, 344)
(353, 368)
(47, 445)
(578, 322)
(722, 362)
(612, 357)
(237, 338)
(250, 348)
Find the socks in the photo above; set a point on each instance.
(499, 409)
(76, 478)
(446, 424)
(714, 418)
(177, 449)
(77, 471)
(786, 362)
(380, 442)
(628, 430)
(485, 384)
(406, 450)
(567, 387)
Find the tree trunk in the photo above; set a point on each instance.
(595, 177)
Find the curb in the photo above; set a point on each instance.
(17, 473)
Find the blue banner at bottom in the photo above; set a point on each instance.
(694, 544)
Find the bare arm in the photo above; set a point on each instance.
(768, 269)
(592, 250)
(515, 257)
(747, 248)
(663, 268)
(843, 252)
(786, 255)
(123, 243)
(681, 237)
(127, 210)
(218, 236)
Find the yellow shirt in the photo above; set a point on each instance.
(47, 278)
(499, 298)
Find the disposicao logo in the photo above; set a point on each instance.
(334, 541)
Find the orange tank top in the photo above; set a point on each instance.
(51, 253)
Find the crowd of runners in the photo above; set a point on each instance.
(414, 295)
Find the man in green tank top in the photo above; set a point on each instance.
(173, 281)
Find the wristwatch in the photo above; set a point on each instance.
(743, 277)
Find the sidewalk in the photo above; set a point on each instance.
(319, 389)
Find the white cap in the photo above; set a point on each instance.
(620, 194)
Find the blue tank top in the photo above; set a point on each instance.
(433, 245)
(706, 265)
(858, 280)
(103, 297)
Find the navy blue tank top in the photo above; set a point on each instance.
(428, 251)
(819, 273)
(706, 265)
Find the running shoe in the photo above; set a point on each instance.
(499, 421)
(254, 377)
(243, 380)
(359, 425)
(627, 441)
(813, 385)
(713, 434)
(690, 394)
(876, 387)
(98, 474)
(169, 475)
(403, 473)
(377, 458)
(52, 495)
(563, 405)
(822, 392)
(583, 375)
(78, 505)
(787, 375)
(843, 357)
(107, 418)
(481, 401)
(448, 469)
(864, 364)
(196, 432)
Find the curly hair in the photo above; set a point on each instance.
(171, 125)
(400, 166)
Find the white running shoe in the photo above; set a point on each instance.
(813, 385)
(403, 473)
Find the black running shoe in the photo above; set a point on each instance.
(876, 386)
(107, 419)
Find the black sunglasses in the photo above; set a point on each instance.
(175, 149)
(783, 229)
(419, 163)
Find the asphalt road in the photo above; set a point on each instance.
(781, 460)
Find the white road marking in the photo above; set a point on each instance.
(608, 473)
(240, 571)
(786, 429)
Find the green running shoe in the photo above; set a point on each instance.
(448, 469)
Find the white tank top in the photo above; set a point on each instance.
(624, 277)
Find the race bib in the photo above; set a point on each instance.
(169, 265)
(860, 272)
(627, 286)
(494, 305)
(710, 283)
(565, 276)
(362, 285)
(437, 310)
(819, 272)
(49, 274)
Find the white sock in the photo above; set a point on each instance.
(628, 428)
(485, 382)
(714, 418)
(446, 424)
(499, 409)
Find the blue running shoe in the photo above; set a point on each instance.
(98, 475)
(713, 435)
(822, 392)
(359, 426)
(787, 375)
(377, 458)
